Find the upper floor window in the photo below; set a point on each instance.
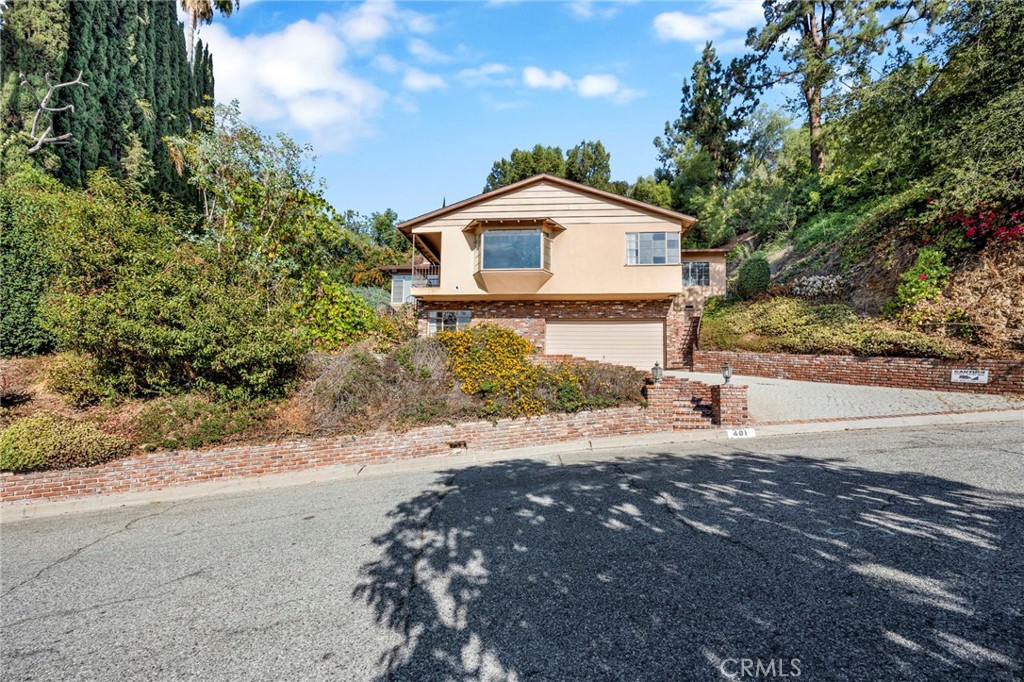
(400, 286)
(696, 274)
(514, 250)
(652, 248)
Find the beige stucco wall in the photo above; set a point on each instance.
(588, 258)
(695, 295)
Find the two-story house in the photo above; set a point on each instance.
(576, 270)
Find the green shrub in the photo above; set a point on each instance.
(924, 280)
(49, 442)
(194, 421)
(178, 322)
(793, 325)
(334, 317)
(575, 386)
(754, 277)
(26, 208)
(79, 381)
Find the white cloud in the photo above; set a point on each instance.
(295, 78)
(535, 77)
(598, 85)
(591, 85)
(427, 53)
(588, 9)
(685, 27)
(373, 20)
(387, 63)
(490, 74)
(421, 81)
(720, 17)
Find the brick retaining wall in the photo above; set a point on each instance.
(168, 469)
(1005, 376)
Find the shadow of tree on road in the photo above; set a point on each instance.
(668, 567)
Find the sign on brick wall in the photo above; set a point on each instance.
(969, 376)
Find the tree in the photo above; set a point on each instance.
(588, 163)
(33, 43)
(709, 116)
(831, 38)
(523, 164)
(651, 191)
(201, 12)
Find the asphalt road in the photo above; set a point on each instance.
(866, 555)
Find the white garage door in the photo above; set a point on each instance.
(639, 343)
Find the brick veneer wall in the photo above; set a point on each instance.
(729, 405)
(169, 469)
(526, 318)
(1005, 376)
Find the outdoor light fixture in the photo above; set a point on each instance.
(657, 372)
(727, 372)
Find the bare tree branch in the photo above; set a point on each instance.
(43, 106)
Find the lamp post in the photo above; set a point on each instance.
(657, 372)
(727, 372)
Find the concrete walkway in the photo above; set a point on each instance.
(781, 400)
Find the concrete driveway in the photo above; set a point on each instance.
(782, 400)
(865, 555)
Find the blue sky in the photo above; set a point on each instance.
(407, 104)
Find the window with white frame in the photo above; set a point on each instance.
(697, 274)
(652, 248)
(447, 321)
(514, 250)
(400, 288)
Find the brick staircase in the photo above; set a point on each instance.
(693, 412)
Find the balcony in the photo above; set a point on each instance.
(426, 276)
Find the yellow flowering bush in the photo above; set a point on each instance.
(493, 363)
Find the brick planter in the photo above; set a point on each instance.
(1005, 376)
(670, 407)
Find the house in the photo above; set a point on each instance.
(576, 270)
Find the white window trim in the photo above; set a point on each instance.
(404, 295)
(672, 255)
(687, 272)
(463, 318)
(545, 250)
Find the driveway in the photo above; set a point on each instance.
(782, 400)
(866, 555)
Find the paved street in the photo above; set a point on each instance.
(865, 555)
(782, 400)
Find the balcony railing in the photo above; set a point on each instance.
(426, 276)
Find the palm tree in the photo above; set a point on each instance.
(201, 12)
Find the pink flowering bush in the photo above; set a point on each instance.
(984, 224)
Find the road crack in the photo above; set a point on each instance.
(74, 553)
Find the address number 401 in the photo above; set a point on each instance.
(740, 433)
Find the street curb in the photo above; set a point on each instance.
(13, 512)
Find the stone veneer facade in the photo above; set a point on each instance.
(527, 318)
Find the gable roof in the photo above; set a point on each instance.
(686, 220)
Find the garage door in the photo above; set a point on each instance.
(639, 343)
